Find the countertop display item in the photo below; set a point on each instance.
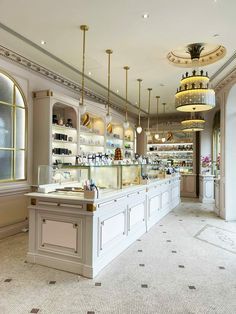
(61, 121)
(118, 154)
(54, 119)
(69, 123)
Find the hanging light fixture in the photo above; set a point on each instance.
(126, 122)
(149, 107)
(108, 117)
(156, 134)
(194, 93)
(194, 124)
(163, 139)
(139, 128)
(82, 106)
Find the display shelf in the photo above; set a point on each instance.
(170, 151)
(61, 155)
(63, 142)
(63, 127)
(93, 145)
(90, 133)
(170, 144)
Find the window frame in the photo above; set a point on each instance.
(14, 149)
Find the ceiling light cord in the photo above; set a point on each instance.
(109, 52)
(84, 28)
(149, 107)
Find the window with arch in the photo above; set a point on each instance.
(13, 127)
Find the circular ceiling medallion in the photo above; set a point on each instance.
(209, 54)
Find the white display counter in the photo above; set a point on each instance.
(82, 236)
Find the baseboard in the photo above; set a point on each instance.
(13, 229)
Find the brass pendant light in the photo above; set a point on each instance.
(139, 128)
(156, 134)
(163, 139)
(82, 106)
(193, 124)
(126, 122)
(149, 107)
(108, 117)
(194, 94)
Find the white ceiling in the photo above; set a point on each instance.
(140, 43)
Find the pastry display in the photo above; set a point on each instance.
(118, 154)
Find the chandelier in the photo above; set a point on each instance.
(194, 94)
(193, 125)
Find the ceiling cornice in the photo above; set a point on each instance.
(14, 56)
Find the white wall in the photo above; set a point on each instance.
(230, 155)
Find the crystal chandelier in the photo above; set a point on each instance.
(193, 125)
(194, 94)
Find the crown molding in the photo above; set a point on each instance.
(32, 66)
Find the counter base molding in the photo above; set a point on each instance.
(206, 189)
(65, 236)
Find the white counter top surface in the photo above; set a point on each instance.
(105, 195)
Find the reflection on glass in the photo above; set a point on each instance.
(5, 165)
(18, 98)
(6, 89)
(5, 126)
(20, 165)
(20, 128)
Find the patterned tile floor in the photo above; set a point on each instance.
(184, 264)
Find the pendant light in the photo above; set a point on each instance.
(139, 128)
(163, 139)
(82, 106)
(108, 117)
(126, 122)
(156, 134)
(194, 93)
(193, 124)
(149, 107)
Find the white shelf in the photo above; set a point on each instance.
(62, 127)
(94, 145)
(63, 142)
(169, 144)
(57, 155)
(90, 133)
(170, 151)
(128, 141)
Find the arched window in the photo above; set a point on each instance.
(12, 130)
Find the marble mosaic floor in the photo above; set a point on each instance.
(184, 264)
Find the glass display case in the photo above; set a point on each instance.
(105, 177)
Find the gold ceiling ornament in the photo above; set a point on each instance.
(156, 134)
(163, 139)
(126, 122)
(194, 94)
(82, 106)
(211, 53)
(193, 124)
(149, 108)
(139, 128)
(108, 117)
